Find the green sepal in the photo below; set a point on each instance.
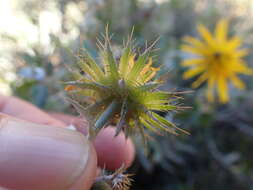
(93, 66)
(88, 85)
(137, 67)
(124, 61)
(106, 115)
(167, 123)
(123, 113)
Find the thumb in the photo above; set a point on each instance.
(39, 157)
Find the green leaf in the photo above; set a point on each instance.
(152, 97)
(86, 69)
(85, 85)
(167, 123)
(161, 107)
(147, 75)
(138, 66)
(150, 126)
(150, 86)
(97, 106)
(76, 75)
(93, 65)
(124, 61)
(109, 61)
(122, 117)
(83, 93)
(80, 109)
(84, 97)
(142, 131)
(153, 121)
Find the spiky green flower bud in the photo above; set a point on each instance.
(121, 92)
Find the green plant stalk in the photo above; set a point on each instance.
(108, 113)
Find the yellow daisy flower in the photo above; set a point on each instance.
(218, 61)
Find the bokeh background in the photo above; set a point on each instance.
(38, 38)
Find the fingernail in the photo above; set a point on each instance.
(40, 157)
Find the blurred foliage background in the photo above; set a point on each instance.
(38, 38)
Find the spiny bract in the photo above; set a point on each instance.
(116, 181)
(218, 61)
(121, 92)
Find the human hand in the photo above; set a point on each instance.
(37, 152)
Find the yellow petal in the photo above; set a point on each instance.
(206, 35)
(239, 66)
(223, 90)
(147, 67)
(191, 62)
(200, 80)
(131, 61)
(210, 89)
(193, 50)
(221, 30)
(237, 82)
(193, 72)
(241, 53)
(233, 43)
(194, 42)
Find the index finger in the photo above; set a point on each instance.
(24, 110)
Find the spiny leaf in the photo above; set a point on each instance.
(167, 123)
(99, 105)
(124, 61)
(87, 70)
(84, 97)
(78, 106)
(108, 59)
(142, 132)
(149, 86)
(138, 66)
(110, 64)
(147, 75)
(122, 117)
(158, 95)
(81, 93)
(86, 85)
(76, 75)
(93, 65)
(161, 107)
(149, 97)
(149, 126)
(149, 117)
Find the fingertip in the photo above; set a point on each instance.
(34, 156)
(26, 111)
(85, 181)
(113, 152)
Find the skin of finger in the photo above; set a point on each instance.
(118, 150)
(20, 167)
(1, 188)
(115, 151)
(112, 151)
(24, 110)
(86, 180)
